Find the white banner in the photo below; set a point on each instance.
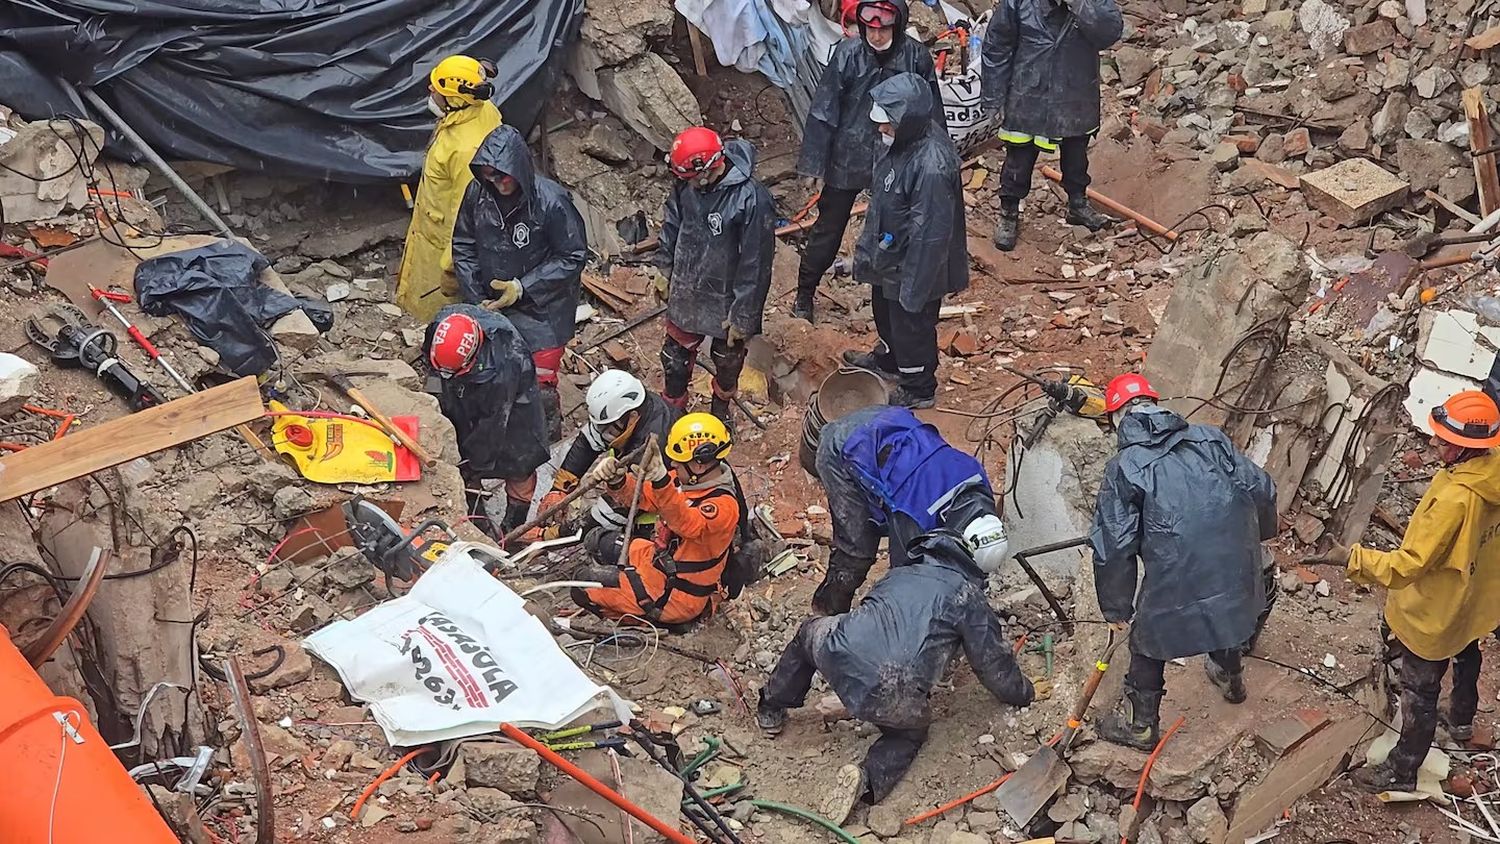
(456, 657)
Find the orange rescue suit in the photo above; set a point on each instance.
(674, 578)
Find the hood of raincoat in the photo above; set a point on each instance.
(883, 657)
(741, 155)
(505, 150)
(907, 100)
(1444, 580)
(1148, 425)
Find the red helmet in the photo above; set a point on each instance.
(455, 345)
(1123, 388)
(695, 150)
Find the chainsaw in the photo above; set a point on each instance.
(75, 343)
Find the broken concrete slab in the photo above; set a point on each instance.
(1353, 191)
(1358, 445)
(18, 382)
(42, 177)
(1054, 485)
(651, 98)
(1446, 342)
(296, 331)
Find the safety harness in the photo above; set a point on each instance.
(677, 571)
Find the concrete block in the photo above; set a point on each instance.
(18, 382)
(1353, 191)
(1360, 441)
(650, 97)
(48, 155)
(1056, 482)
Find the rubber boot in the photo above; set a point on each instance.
(902, 397)
(1383, 777)
(835, 594)
(1135, 721)
(1081, 213)
(1008, 229)
(1231, 686)
(770, 719)
(803, 307)
(874, 361)
(1458, 732)
(723, 408)
(840, 799)
(552, 407)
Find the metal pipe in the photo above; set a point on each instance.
(72, 612)
(157, 161)
(1022, 560)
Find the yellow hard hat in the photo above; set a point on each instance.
(461, 78)
(698, 436)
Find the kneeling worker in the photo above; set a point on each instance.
(623, 414)
(674, 578)
(887, 473)
(489, 393)
(1444, 584)
(883, 659)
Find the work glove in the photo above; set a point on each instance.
(659, 284)
(1041, 688)
(507, 293)
(1336, 555)
(448, 284)
(607, 471)
(733, 334)
(653, 468)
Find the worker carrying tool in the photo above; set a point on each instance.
(913, 250)
(1041, 76)
(489, 393)
(1444, 584)
(839, 144)
(717, 240)
(458, 93)
(1193, 510)
(883, 659)
(887, 473)
(519, 247)
(623, 414)
(676, 577)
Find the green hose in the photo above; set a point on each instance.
(807, 816)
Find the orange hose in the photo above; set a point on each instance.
(671, 834)
(954, 804)
(1119, 208)
(384, 775)
(1140, 788)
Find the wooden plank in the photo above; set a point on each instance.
(1484, 40)
(1485, 173)
(1453, 208)
(128, 437)
(695, 38)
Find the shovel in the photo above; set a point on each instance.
(1025, 792)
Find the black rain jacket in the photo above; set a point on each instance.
(1194, 510)
(917, 199)
(494, 407)
(840, 143)
(883, 657)
(1040, 64)
(716, 249)
(537, 240)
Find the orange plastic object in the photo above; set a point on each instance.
(62, 783)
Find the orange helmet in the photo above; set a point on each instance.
(695, 150)
(455, 345)
(1123, 388)
(1469, 419)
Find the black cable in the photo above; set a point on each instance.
(53, 580)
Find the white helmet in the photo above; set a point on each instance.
(986, 539)
(612, 395)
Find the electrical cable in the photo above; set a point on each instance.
(805, 815)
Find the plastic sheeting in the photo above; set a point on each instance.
(333, 89)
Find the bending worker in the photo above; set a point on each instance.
(519, 247)
(913, 250)
(459, 95)
(883, 659)
(623, 414)
(676, 577)
(1444, 584)
(887, 473)
(1193, 510)
(489, 393)
(839, 144)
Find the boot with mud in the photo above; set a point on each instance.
(552, 407)
(1230, 684)
(1383, 777)
(839, 800)
(877, 361)
(903, 397)
(1008, 230)
(803, 307)
(1135, 721)
(723, 408)
(1081, 213)
(770, 719)
(1458, 732)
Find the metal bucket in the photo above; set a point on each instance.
(841, 393)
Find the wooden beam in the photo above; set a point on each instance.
(128, 437)
(695, 38)
(1453, 208)
(1485, 173)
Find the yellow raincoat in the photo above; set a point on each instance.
(428, 259)
(1444, 580)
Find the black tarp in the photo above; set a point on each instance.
(327, 89)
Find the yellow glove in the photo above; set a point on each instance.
(659, 285)
(507, 293)
(1336, 555)
(1041, 688)
(732, 334)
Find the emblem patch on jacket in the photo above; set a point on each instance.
(521, 235)
(716, 224)
(890, 179)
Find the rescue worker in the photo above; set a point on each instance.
(459, 94)
(839, 143)
(1040, 74)
(913, 250)
(1193, 510)
(675, 578)
(623, 415)
(1444, 584)
(883, 659)
(717, 240)
(489, 393)
(887, 473)
(519, 247)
